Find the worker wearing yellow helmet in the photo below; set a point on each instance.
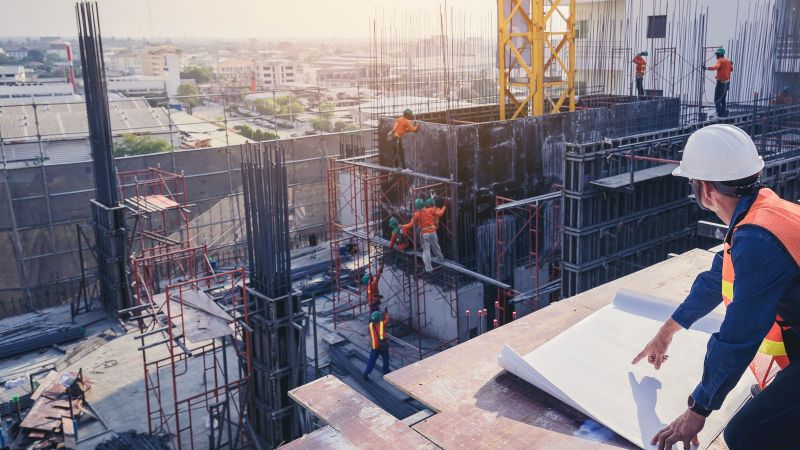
(757, 276)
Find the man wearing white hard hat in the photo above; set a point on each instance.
(757, 276)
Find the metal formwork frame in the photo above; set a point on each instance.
(362, 197)
(529, 215)
(175, 403)
(527, 32)
(157, 201)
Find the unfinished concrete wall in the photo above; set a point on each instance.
(514, 158)
(40, 208)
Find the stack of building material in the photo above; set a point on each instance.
(58, 401)
(131, 440)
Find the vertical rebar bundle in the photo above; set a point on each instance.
(94, 82)
(276, 318)
(108, 217)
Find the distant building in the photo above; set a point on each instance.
(12, 74)
(152, 59)
(63, 131)
(274, 74)
(123, 62)
(18, 53)
(234, 71)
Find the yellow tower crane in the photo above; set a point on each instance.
(536, 56)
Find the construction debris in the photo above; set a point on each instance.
(59, 398)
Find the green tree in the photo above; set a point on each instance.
(187, 90)
(200, 74)
(258, 134)
(132, 144)
(35, 55)
(324, 122)
(279, 106)
(344, 126)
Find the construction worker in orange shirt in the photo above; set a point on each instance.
(427, 219)
(402, 125)
(373, 293)
(724, 68)
(399, 238)
(379, 342)
(641, 65)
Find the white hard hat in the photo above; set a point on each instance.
(719, 153)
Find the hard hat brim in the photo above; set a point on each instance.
(677, 172)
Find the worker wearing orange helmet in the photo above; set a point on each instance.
(757, 277)
(641, 66)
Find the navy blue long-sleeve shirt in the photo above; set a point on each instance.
(765, 272)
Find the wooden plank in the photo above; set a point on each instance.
(324, 438)
(68, 428)
(491, 408)
(361, 422)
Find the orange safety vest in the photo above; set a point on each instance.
(376, 334)
(782, 219)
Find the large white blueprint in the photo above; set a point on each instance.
(588, 367)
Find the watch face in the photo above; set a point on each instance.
(691, 402)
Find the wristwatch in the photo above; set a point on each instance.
(697, 408)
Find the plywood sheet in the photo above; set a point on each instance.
(588, 367)
(362, 423)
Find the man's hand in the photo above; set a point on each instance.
(683, 429)
(656, 349)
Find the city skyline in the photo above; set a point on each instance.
(235, 19)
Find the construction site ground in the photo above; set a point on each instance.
(109, 357)
(476, 404)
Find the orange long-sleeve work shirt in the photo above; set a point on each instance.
(403, 126)
(724, 67)
(641, 65)
(427, 220)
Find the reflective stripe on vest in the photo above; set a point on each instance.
(782, 219)
(375, 338)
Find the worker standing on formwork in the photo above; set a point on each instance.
(641, 65)
(402, 125)
(757, 276)
(373, 293)
(427, 219)
(379, 342)
(724, 68)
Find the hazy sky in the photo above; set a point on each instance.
(219, 18)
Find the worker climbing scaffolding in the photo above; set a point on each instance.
(373, 293)
(399, 238)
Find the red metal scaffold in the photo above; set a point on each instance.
(194, 336)
(362, 196)
(536, 222)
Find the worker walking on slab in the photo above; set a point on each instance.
(402, 125)
(399, 238)
(641, 66)
(724, 68)
(379, 342)
(427, 219)
(373, 293)
(757, 277)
